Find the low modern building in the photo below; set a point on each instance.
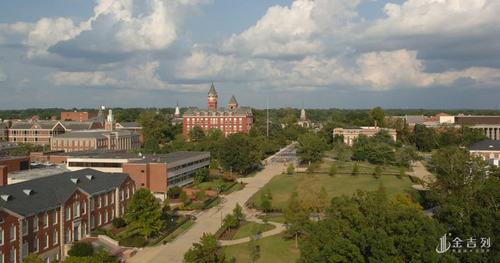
(97, 139)
(350, 135)
(158, 173)
(489, 150)
(46, 215)
(77, 115)
(232, 119)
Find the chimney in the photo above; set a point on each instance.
(3, 175)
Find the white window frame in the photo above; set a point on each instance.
(13, 235)
(35, 223)
(47, 241)
(25, 227)
(37, 244)
(56, 218)
(46, 220)
(55, 237)
(2, 236)
(13, 254)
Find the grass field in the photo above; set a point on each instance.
(281, 186)
(273, 249)
(247, 229)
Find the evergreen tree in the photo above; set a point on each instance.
(205, 251)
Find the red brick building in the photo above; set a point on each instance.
(77, 115)
(231, 119)
(44, 216)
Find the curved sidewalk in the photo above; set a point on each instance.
(278, 229)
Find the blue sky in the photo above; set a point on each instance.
(322, 53)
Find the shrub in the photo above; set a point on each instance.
(333, 170)
(81, 249)
(355, 169)
(119, 222)
(174, 192)
(290, 169)
(133, 241)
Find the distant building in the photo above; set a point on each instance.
(303, 121)
(77, 115)
(44, 216)
(232, 119)
(15, 163)
(489, 125)
(87, 140)
(155, 172)
(4, 132)
(131, 126)
(350, 135)
(35, 132)
(489, 150)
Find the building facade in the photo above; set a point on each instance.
(36, 132)
(45, 216)
(4, 132)
(102, 139)
(231, 119)
(488, 150)
(158, 173)
(350, 135)
(489, 125)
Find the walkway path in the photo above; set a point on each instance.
(420, 172)
(278, 229)
(208, 221)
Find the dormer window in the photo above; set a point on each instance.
(75, 180)
(6, 197)
(28, 191)
(90, 177)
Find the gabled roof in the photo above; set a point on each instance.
(486, 145)
(47, 125)
(233, 100)
(50, 192)
(78, 125)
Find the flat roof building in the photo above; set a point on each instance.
(488, 150)
(158, 173)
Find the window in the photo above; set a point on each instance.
(99, 200)
(84, 207)
(25, 227)
(91, 221)
(55, 237)
(91, 204)
(1, 236)
(35, 244)
(121, 195)
(105, 216)
(105, 197)
(68, 213)
(98, 219)
(128, 193)
(112, 197)
(35, 223)
(66, 236)
(46, 244)
(54, 217)
(25, 249)
(13, 232)
(46, 220)
(13, 257)
(76, 209)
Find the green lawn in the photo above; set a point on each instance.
(273, 249)
(247, 229)
(274, 218)
(281, 186)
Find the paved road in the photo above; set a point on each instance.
(207, 221)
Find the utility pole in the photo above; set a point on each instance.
(267, 117)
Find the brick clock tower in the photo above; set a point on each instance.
(212, 98)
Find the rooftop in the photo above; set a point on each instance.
(38, 195)
(486, 145)
(133, 157)
(477, 120)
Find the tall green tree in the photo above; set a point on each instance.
(297, 218)
(196, 134)
(236, 154)
(370, 228)
(311, 147)
(144, 214)
(205, 251)
(377, 114)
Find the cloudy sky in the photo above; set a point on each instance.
(320, 53)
